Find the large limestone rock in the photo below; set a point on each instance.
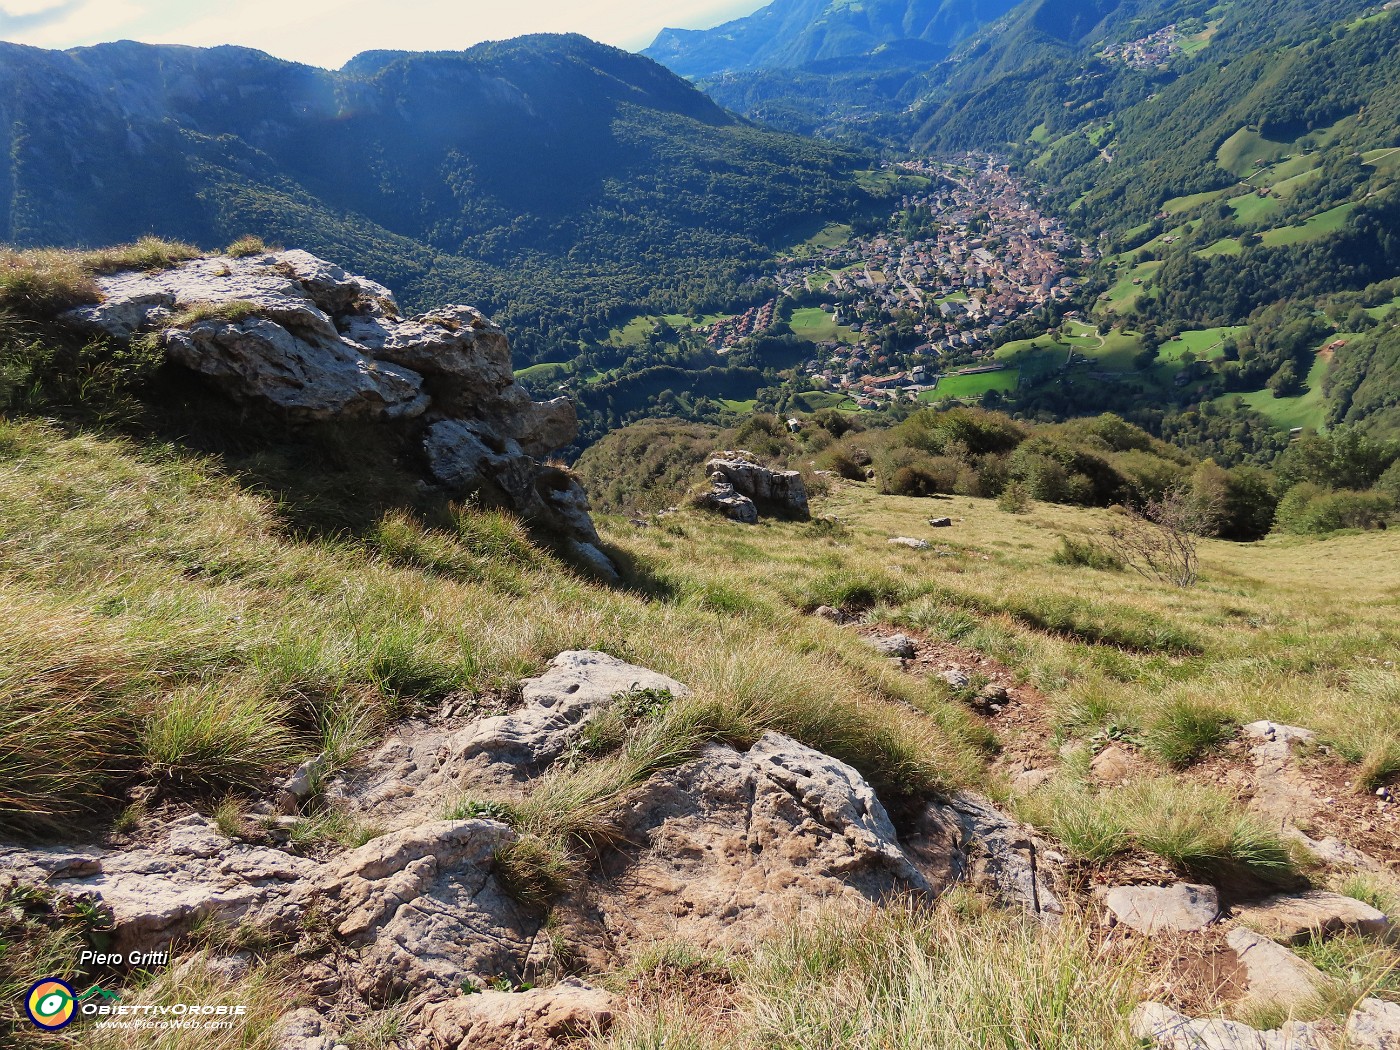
(779, 491)
(1374, 1025)
(426, 910)
(724, 499)
(1301, 917)
(300, 337)
(1182, 908)
(539, 1019)
(158, 893)
(731, 845)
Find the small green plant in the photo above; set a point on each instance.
(1186, 730)
(1015, 498)
(1086, 554)
(535, 871)
(476, 809)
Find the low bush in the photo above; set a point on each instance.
(1310, 509)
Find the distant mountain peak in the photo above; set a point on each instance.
(790, 34)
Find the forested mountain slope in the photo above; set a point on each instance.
(551, 179)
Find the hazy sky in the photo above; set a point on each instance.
(327, 32)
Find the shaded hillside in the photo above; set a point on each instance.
(552, 179)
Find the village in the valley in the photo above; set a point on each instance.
(926, 298)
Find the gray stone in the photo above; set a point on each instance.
(191, 874)
(1276, 976)
(730, 846)
(956, 678)
(1374, 1025)
(899, 646)
(940, 523)
(725, 499)
(1183, 908)
(302, 784)
(303, 1029)
(911, 543)
(1296, 918)
(826, 612)
(991, 850)
(1163, 1027)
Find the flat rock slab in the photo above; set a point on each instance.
(1183, 908)
(1374, 1025)
(1275, 975)
(1165, 1028)
(1299, 918)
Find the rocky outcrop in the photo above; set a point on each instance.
(299, 337)
(1276, 977)
(191, 874)
(421, 769)
(426, 911)
(724, 846)
(1163, 1027)
(778, 492)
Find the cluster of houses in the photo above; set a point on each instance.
(724, 334)
(1149, 52)
(989, 258)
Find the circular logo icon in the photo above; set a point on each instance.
(50, 1003)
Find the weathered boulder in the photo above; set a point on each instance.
(1275, 976)
(1183, 908)
(777, 491)
(1165, 1028)
(1114, 765)
(940, 523)
(731, 845)
(538, 1019)
(991, 850)
(1300, 917)
(724, 499)
(191, 874)
(301, 338)
(426, 911)
(1374, 1025)
(910, 542)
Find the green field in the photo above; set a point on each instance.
(1251, 206)
(816, 324)
(1380, 313)
(1124, 294)
(1307, 410)
(742, 407)
(973, 385)
(1205, 343)
(816, 400)
(1242, 152)
(1226, 246)
(1320, 225)
(544, 373)
(1178, 205)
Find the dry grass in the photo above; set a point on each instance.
(952, 977)
(43, 282)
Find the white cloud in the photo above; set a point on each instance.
(73, 24)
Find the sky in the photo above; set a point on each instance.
(328, 32)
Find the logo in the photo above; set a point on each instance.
(50, 1004)
(98, 993)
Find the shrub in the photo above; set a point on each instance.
(1015, 498)
(1310, 509)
